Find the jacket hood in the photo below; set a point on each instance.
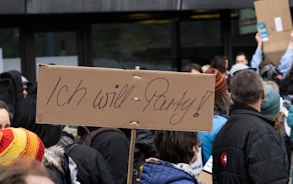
(165, 172)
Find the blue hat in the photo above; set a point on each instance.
(270, 106)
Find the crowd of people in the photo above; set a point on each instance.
(251, 136)
(250, 140)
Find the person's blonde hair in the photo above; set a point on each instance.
(279, 122)
(19, 173)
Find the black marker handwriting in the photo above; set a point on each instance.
(157, 100)
(61, 94)
(202, 102)
(110, 99)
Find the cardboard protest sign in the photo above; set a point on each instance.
(119, 98)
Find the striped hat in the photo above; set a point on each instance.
(220, 84)
(19, 145)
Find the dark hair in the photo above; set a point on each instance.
(25, 116)
(175, 146)
(246, 87)
(241, 54)
(264, 62)
(219, 62)
(222, 104)
(269, 71)
(190, 66)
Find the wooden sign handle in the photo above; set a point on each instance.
(131, 149)
(131, 156)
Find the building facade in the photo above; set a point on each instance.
(154, 34)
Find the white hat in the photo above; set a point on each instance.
(24, 80)
(236, 68)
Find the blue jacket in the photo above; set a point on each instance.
(256, 59)
(165, 173)
(207, 138)
(284, 65)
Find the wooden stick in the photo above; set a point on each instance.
(131, 156)
(131, 149)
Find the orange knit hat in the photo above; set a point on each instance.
(221, 83)
(18, 144)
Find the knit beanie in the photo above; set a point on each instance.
(19, 144)
(221, 83)
(270, 106)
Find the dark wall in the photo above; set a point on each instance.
(92, 6)
(216, 4)
(12, 7)
(57, 6)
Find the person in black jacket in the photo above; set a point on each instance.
(286, 87)
(144, 148)
(113, 145)
(247, 149)
(77, 164)
(91, 165)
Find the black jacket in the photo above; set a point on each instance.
(248, 150)
(114, 147)
(286, 87)
(92, 167)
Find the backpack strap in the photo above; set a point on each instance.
(69, 148)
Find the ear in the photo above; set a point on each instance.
(263, 94)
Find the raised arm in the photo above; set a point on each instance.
(257, 56)
(287, 58)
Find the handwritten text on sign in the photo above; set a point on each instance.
(115, 98)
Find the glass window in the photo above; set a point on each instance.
(132, 44)
(242, 42)
(9, 49)
(200, 40)
(56, 48)
(55, 44)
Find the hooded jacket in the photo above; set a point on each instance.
(248, 150)
(92, 167)
(77, 164)
(113, 145)
(165, 173)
